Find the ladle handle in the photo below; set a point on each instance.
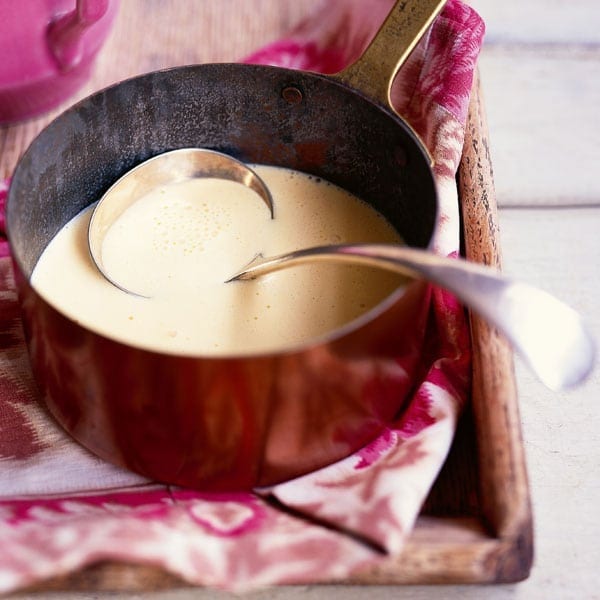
(374, 72)
(548, 334)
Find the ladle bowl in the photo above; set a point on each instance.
(169, 167)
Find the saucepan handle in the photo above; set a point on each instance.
(374, 72)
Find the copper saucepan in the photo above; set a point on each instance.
(240, 421)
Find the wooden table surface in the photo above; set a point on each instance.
(541, 74)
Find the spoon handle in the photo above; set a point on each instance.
(549, 335)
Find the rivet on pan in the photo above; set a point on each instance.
(292, 95)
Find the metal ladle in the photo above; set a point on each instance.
(549, 335)
(168, 167)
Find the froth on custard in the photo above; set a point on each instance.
(182, 241)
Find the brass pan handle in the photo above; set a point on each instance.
(374, 72)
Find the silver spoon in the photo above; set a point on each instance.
(549, 335)
(169, 167)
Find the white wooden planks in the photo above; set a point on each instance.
(540, 69)
(559, 250)
(540, 21)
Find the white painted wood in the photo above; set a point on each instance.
(541, 74)
(543, 107)
(540, 21)
(560, 250)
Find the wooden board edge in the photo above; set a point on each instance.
(439, 551)
(504, 485)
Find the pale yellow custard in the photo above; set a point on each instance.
(181, 242)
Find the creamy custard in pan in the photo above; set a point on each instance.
(178, 245)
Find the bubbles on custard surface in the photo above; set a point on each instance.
(187, 231)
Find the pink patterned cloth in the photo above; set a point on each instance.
(62, 508)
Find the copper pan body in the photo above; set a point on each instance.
(241, 421)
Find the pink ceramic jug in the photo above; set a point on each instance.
(47, 50)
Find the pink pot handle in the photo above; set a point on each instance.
(65, 35)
